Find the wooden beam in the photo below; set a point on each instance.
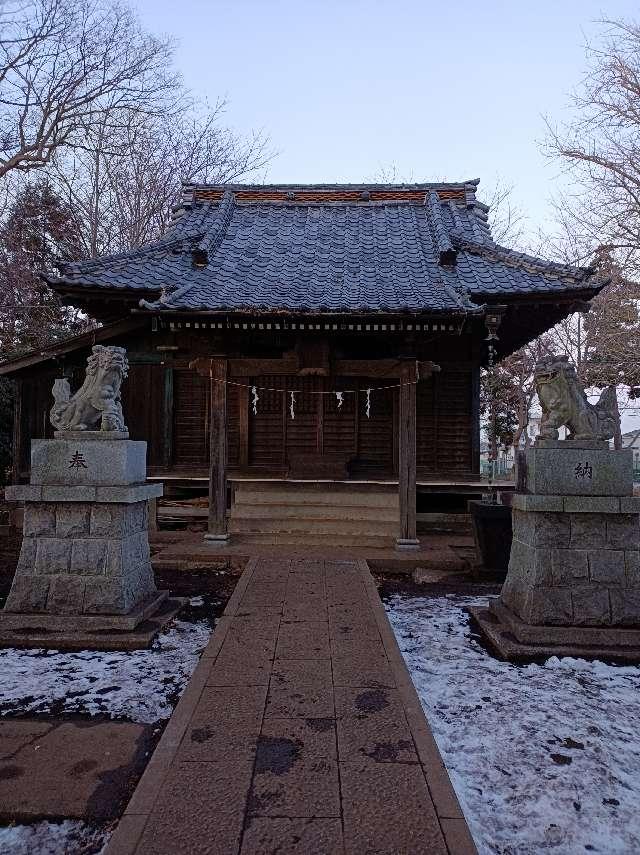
(289, 364)
(407, 538)
(356, 423)
(285, 421)
(244, 427)
(255, 367)
(217, 522)
(320, 420)
(475, 417)
(380, 368)
(76, 342)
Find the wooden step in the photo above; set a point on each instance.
(311, 497)
(311, 512)
(328, 540)
(320, 514)
(357, 528)
(444, 523)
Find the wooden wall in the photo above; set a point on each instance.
(167, 404)
(445, 423)
(445, 426)
(142, 403)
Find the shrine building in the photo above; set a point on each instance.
(292, 338)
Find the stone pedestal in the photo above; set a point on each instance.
(84, 573)
(573, 584)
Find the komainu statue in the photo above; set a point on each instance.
(564, 402)
(96, 405)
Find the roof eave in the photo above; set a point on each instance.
(71, 288)
(579, 293)
(282, 311)
(67, 345)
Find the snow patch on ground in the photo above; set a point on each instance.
(52, 838)
(141, 685)
(542, 757)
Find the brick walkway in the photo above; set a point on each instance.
(299, 732)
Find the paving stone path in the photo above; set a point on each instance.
(299, 732)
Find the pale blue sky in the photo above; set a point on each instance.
(441, 90)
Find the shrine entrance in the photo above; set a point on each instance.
(316, 427)
(307, 432)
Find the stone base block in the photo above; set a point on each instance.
(87, 463)
(83, 558)
(575, 568)
(585, 636)
(578, 469)
(17, 621)
(81, 637)
(498, 631)
(103, 495)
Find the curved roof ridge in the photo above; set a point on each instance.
(438, 226)
(90, 264)
(469, 184)
(210, 242)
(502, 253)
(462, 299)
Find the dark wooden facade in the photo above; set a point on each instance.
(167, 402)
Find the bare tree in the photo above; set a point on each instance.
(598, 215)
(69, 68)
(506, 218)
(599, 149)
(122, 187)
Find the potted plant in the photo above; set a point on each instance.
(491, 521)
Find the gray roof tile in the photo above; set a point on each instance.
(434, 256)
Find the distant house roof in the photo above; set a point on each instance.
(631, 439)
(420, 248)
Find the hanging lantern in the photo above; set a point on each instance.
(254, 400)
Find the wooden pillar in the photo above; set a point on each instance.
(217, 525)
(475, 418)
(407, 538)
(167, 416)
(244, 427)
(152, 509)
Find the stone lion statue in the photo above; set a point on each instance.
(564, 402)
(96, 405)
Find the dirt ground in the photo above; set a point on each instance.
(390, 584)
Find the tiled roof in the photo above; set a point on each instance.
(327, 248)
